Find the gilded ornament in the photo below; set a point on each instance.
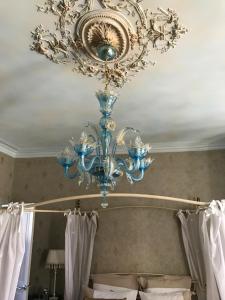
(110, 125)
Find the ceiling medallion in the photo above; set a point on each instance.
(121, 32)
(101, 28)
(111, 42)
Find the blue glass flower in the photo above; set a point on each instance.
(66, 158)
(83, 149)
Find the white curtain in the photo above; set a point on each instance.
(213, 230)
(204, 241)
(12, 248)
(191, 233)
(79, 244)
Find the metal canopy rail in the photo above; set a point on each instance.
(115, 195)
(102, 209)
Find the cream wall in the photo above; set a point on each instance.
(184, 174)
(133, 240)
(6, 177)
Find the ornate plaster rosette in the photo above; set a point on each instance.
(90, 33)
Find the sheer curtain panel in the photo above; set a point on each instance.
(213, 230)
(204, 242)
(79, 244)
(191, 233)
(12, 248)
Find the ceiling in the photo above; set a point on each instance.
(178, 105)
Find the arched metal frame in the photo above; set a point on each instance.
(35, 206)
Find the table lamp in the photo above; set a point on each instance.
(55, 260)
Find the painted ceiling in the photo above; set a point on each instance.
(178, 104)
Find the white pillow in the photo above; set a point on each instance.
(129, 295)
(165, 290)
(109, 288)
(162, 296)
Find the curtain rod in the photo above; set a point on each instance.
(109, 209)
(119, 195)
(100, 210)
(97, 209)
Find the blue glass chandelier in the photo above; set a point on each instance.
(95, 154)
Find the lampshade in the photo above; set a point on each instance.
(55, 258)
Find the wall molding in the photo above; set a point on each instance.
(16, 152)
(8, 149)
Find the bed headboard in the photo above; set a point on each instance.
(148, 274)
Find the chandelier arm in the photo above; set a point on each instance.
(95, 137)
(70, 176)
(97, 140)
(94, 129)
(136, 178)
(122, 163)
(114, 149)
(135, 165)
(88, 167)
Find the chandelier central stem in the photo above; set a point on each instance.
(107, 77)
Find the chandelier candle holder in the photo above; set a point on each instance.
(111, 40)
(95, 155)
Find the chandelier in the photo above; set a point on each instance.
(95, 154)
(111, 40)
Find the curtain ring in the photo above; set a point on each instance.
(198, 210)
(67, 213)
(10, 207)
(220, 205)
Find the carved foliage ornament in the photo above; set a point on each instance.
(114, 38)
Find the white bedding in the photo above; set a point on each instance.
(129, 295)
(162, 296)
(165, 290)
